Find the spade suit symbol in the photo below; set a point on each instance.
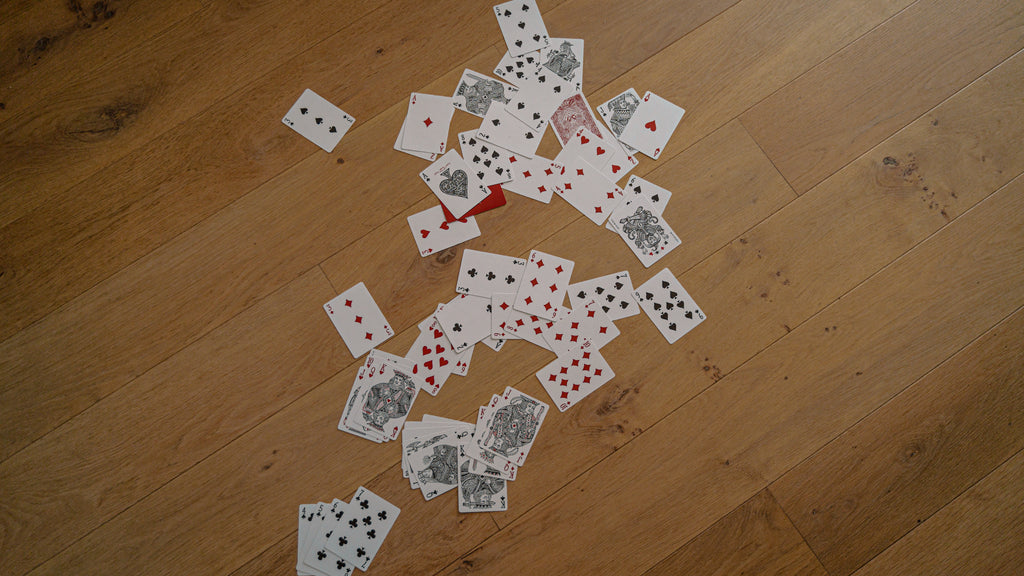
(455, 183)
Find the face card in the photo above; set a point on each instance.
(449, 179)
(480, 490)
(483, 273)
(318, 558)
(436, 466)
(588, 190)
(434, 357)
(385, 398)
(518, 69)
(358, 319)
(465, 320)
(359, 539)
(349, 417)
(433, 233)
(522, 26)
(398, 146)
(504, 130)
(427, 122)
(668, 305)
(475, 93)
(542, 289)
(564, 57)
(535, 178)
(613, 294)
(572, 114)
(538, 99)
(617, 111)
(652, 124)
(501, 312)
(489, 163)
(511, 426)
(646, 234)
(319, 121)
(570, 378)
(585, 328)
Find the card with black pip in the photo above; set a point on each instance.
(321, 122)
(448, 177)
(668, 305)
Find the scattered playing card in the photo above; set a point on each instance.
(605, 154)
(536, 178)
(572, 114)
(538, 98)
(479, 489)
(434, 357)
(319, 121)
(379, 403)
(465, 320)
(483, 273)
(612, 292)
(617, 111)
(503, 129)
(668, 305)
(542, 289)
(655, 195)
(358, 319)
(359, 539)
(426, 123)
(588, 190)
(532, 328)
(510, 426)
(436, 466)
(571, 377)
(433, 233)
(448, 178)
(585, 328)
(489, 163)
(522, 26)
(317, 558)
(475, 93)
(564, 56)
(518, 69)
(646, 233)
(651, 125)
(398, 146)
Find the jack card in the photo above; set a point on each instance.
(475, 93)
(646, 233)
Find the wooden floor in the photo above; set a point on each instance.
(847, 182)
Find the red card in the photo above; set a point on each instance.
(495, 199)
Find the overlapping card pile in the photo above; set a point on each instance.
(338, 537)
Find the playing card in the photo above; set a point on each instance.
(564, 56)
(586, 328)
(494, 465)
(462, 361)
(349, 421)
(475, 93)
(426, 123)
(398, 146)
(449, 180)
(319, 121)
(359, 539)
(436, 466)
(572, 114)
(434, 355)
(535, 178)
(655, 195)
(317, 557)
(668, 305)
(501, 311)
(588, 190)
(385, 396)
(503, 129)
(479, 489)
(307, 518)
(646, 233)
(531, 328)
(433, 233)
(518, 69)
(605, 154)
(489, 163)
(493, 344)
(617, 111)
(571, 377)
(542, 289)
(465, 320)
(511, 426)
(495, 199)
(522, 26)
(612, 292)
(483, 273)
(538, 98)
(651, 125)
(358, 319)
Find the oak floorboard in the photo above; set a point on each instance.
(979, 533)
(729, 442)
(755, 539)
(862, 492)
(876, 85)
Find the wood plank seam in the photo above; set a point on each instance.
(793, 524)
(777, 171)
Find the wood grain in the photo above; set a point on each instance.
(755, 539)
(876, 482)
(878, 84)
(978, 533)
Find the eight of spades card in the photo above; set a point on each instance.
(321, 122)
(490, 163)
(538, 98)
(542, 290)
(475, 93)
(646, 233)
(449, 179)
(358, 539)
(522, 26)
(668, 305)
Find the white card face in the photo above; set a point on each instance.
(398, 146)
(652, 124)
(571, 115)
(307, 514)
(489, 163)
(436, 466)
(617, 111)
(434, 357)
(318, 558)
(656, 196)
(564, 56)
(585, 328)
(319, 121)
(480, 490)
(536, 178)
(542, 290)
(465, 320)
(613, 293)
(462, 361)
(511, 426)
(475, 92)
(538, 99)
(570, 378)
(432, 234)
(358, 319)
(359, 539)
(518, 69)
(503, 129)
(586, 189)
(484, 273)
(427, 122)
(449, 179)
(501, 311)
(532, 328)
(605, 154)
(647, 234)
(522, 26)
(668, 305)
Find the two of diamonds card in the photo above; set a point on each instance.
(522, 26)
(426, 123)
(449, 179)
(644, 231)
(509, 427)
(358, 319)
(668, 305)
(358, 539)
(433, 233)
(475, 93)
(613, 293)
(321, 122)
(651, 125)
(484, 273)
(535, 178)
(545, 280)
